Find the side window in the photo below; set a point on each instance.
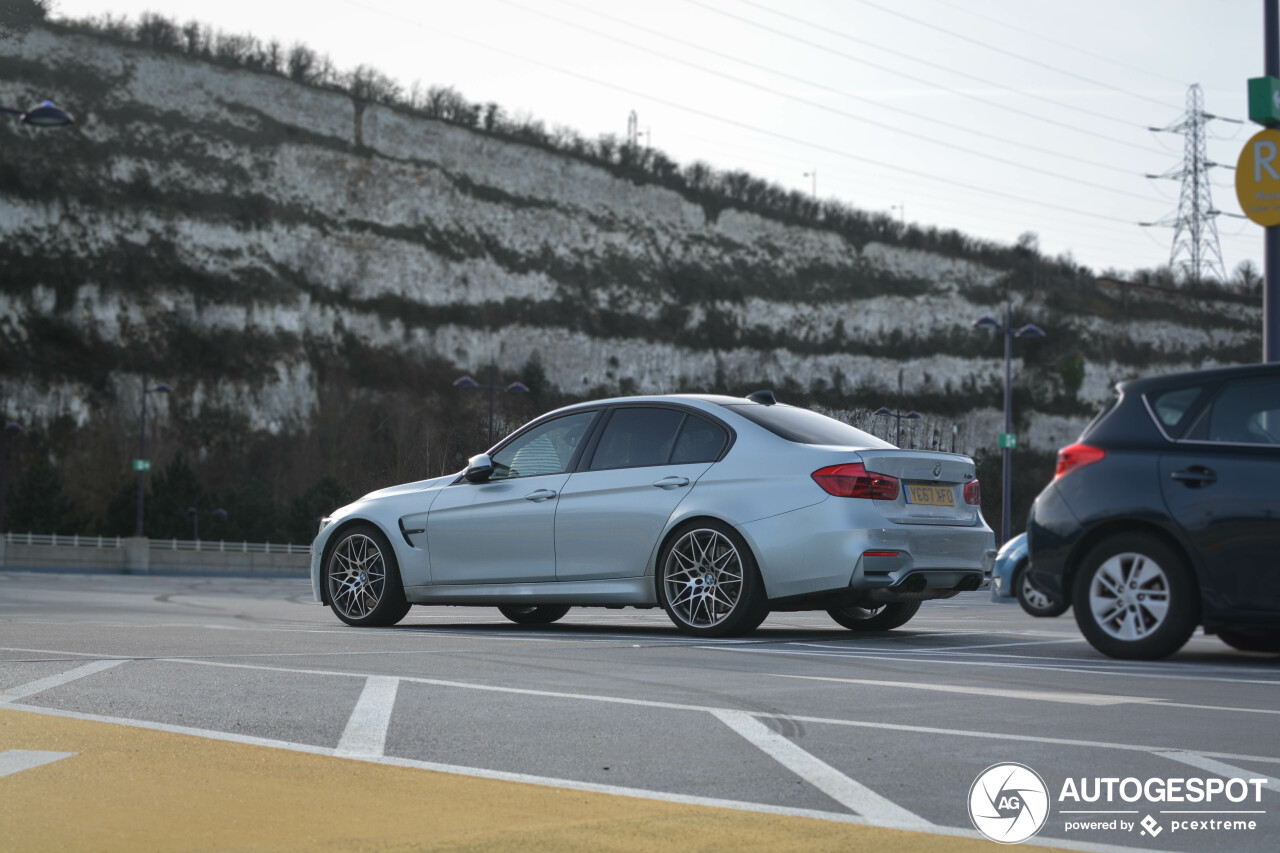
(1246, 412)
(637, 437)
(1173, 407)
(545, 449)
(699, 441)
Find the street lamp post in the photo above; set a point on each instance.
(47, 114)
(1030, 330)
(909, 416)
(141, 464)
(194, 512)
(4, 466)
(468, 382)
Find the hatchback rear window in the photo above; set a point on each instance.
(1173, 407)
(804, 426)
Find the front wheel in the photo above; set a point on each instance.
(708, 582)
(363, 579)
(543, 614)
(1134, 598)
(886, 617)
(1034, 600)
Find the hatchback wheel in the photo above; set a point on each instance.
(1134, 598)
(1034, 600)
(708, 582)
(363, 579)
(1252, 641)
(543, 614)
(886, 617)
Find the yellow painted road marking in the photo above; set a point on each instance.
(134, 789)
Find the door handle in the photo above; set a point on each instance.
(1195, 476)
(670, 483)
(540, 495)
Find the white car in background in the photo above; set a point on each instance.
(718, 509)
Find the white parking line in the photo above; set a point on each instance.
(677, 706)
(366, 733)
(1038, 695)
(17, 760)
(1217, 767)
(849, 793)
(31, 688)
(1080, 667)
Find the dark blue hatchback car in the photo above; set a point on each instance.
(1165, 515)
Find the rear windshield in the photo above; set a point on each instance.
(804, 426)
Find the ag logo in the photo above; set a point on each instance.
(1008, 803)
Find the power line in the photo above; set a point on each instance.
(927, 139)
(1014, 55)
(1089, 53)
(740, 124)
(932, 122)
(930, 83)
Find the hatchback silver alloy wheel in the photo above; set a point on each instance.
(703, 578)
(1033, 595)
(357, 576)
(1129, 596)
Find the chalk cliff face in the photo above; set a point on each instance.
(251, 241)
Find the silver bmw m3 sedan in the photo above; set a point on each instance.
(718, 509)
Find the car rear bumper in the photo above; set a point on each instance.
(1052, 533)
(824, 548)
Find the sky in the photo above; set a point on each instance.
(992, 117)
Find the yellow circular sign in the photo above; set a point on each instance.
(1258, 178)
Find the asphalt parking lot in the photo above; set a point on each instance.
(160, 712)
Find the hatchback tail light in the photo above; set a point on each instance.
(1076, 456)
(855, 481)
(972, 493)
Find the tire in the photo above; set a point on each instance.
(886, 617)
(1034, 600)
(1135, 599)
(1252, 641)
(362, 579)
(542, 614)
(708, 582)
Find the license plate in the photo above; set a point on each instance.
(931, 495)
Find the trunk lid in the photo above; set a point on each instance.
(927, 481)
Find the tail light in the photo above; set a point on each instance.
(855, 481)
(1076, 456)
(972, 493)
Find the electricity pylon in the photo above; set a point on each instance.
(1195, 250)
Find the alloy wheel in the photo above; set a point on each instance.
(1129, 596)
(357, 576)
(703, 578)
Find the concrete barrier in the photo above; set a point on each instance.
(142, 556)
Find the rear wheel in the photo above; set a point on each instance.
(1034, 600)
(708, 582)
(886, 617)
(1134, 598)
(1252, 641)
(543, 614)
(363, 579)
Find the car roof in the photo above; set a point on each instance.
(1218, 374)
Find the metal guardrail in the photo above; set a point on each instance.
(78, 541)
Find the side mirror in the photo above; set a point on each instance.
(479, 468)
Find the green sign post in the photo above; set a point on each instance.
(142, 464)
(1007, 440)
